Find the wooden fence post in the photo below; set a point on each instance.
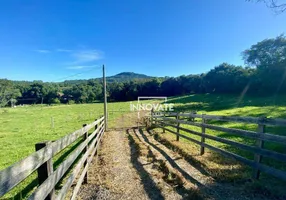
(45, 170)
(85, 137)
(155, 119)
(163, 125)
(203, 135)
(96, 153)
(193, 118)
(52, 122)
(96, 126)
(151, 117)
(258, 157)
(178, 126)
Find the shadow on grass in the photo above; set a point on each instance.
(187, 194)
(64, 154)
(173, 163)
(25, 191)
(236, 173)
(217, 102)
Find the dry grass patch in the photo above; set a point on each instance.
(222, 169)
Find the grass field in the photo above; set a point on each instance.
(22, 127)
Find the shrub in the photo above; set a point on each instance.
(70, 102)
(55, 101)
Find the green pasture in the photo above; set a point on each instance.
(22, 127)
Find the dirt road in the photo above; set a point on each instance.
(133, 165)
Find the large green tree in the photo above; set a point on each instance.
(269, 58)
(7, 92)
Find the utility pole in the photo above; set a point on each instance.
(105, 99)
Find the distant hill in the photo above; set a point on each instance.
(121, 77)
(126, 76)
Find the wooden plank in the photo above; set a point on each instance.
(275, 172)
(264, 152)
(65, 141)
(97, 121)
(252, 120)
(62, 193)
(96, 125)
(232, 155)
(183, 129)
(163, 128)
(167, 114)
(257, 156)
(43, 190)
(202, 151)
(13, 175)
(92, 125)
(183, 136)
(251, 134)
(95, 132)
(178, 127)
(181, 121)
(45, 170)
(97, 146)
(76, 170)
(246, 133)
(79, 182)
(81, 179)
(85, 137)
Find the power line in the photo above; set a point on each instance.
(80, 73)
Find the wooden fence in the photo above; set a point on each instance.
(163, 120)
(41, 160)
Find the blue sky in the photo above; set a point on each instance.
(67, 39)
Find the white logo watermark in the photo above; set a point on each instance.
(156, 107)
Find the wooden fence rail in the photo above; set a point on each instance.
(164, 120)
(41, 161)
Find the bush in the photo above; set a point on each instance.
(70, 102)
(55, 101)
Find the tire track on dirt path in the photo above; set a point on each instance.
(113, 177)
(193, 177)
(144, 161)
(189, 188)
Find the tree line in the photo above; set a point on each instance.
(264, 74)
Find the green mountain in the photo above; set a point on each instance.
(127, 76)
(121, 77)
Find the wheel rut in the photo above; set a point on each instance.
(133, 165)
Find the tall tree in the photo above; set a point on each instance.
(269, 57)
(7, 92)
